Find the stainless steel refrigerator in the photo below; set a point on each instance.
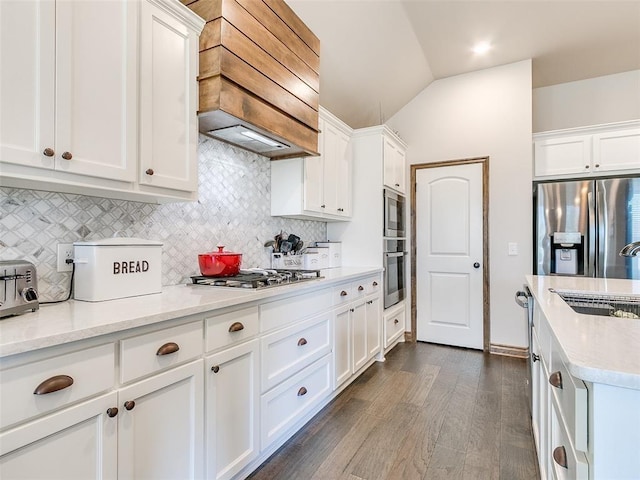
(580, 226)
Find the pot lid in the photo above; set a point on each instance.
(221, 252)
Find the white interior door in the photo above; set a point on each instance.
(449, 255)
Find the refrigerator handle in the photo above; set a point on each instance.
(601, 212)
(591, 240)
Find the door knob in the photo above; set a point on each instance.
(476, 265)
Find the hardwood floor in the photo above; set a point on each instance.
(427, 412)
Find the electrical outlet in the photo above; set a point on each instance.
(65, 251)
(513, 248)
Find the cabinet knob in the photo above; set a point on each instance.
(53, 384)
(322, 206)
(369, 302)
(360, 288)
(396, 321)
(397, 184)
(586, 166)
(560, 456)
(112, 412)
(555, 379)
(48, 152)
(149, 171)
(67, 155)
(535, 357)
(341, 209)
(375, 284)
(597, 165)
(128, 405)
(302, 391)
(352, 310)
(168, 348)
(236, 327)
(343, 293)
(302, 341)
(215, 369)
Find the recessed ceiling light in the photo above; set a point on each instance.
(481, 48)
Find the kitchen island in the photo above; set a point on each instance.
(144, 386)
(586, 382)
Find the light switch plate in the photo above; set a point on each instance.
(513, 248)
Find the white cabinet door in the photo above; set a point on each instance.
(96, 88)
(342, 346)
(329, 139)
(394, 167)
(78, 443)
(374, 322)
(314, 176)
(619, 150)
(342, 176)
(562, 156)
(160, 434)
(168, 101)
(232, 382)
(359, 335)
(27, 43)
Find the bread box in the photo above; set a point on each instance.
(116, 268)
(335, 253)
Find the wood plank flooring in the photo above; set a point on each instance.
(427, 412)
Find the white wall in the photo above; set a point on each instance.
(612, 98)
(485, 113)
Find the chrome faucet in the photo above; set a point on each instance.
(630, 250)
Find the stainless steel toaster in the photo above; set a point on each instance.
(18, 287)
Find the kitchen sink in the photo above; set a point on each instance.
(621, 306)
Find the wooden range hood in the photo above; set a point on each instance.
(259, 77)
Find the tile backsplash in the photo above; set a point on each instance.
(233, 210)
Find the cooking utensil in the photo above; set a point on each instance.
(285, 246)
(220, 263)
(294, 239)
(298, 247)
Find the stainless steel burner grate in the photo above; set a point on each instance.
(262, 279)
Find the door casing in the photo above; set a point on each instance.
(486, 323)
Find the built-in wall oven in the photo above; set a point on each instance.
(394, 212)
(394, 271)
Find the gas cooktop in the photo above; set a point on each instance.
(259, 278)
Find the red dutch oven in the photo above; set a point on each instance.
(220, 263)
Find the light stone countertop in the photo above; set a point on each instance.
(70, 321)
(599, 349)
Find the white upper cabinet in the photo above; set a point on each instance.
(27, 80)
(316, 187)
(168, 100)
(579, 152)
(91, 92)
(69, 86)
(394, 165)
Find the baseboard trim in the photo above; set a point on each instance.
(509, 350)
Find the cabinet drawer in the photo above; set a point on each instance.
(155, 351)
(393, 326)
(290, 350)
(230, 328)
(91, 371)
(571, 395)
(282, 312)
(372, 285)
(565, 462)
(342, 294)
(287, 404)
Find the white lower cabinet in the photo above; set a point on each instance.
(232, 409)
(393, 325)
(160, 426)
(357, 328)
(77, 443)
(148, 403)
(284, 406)
(582, 430)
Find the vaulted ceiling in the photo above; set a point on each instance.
(377, 55)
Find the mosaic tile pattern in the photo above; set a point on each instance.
(233, 210)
